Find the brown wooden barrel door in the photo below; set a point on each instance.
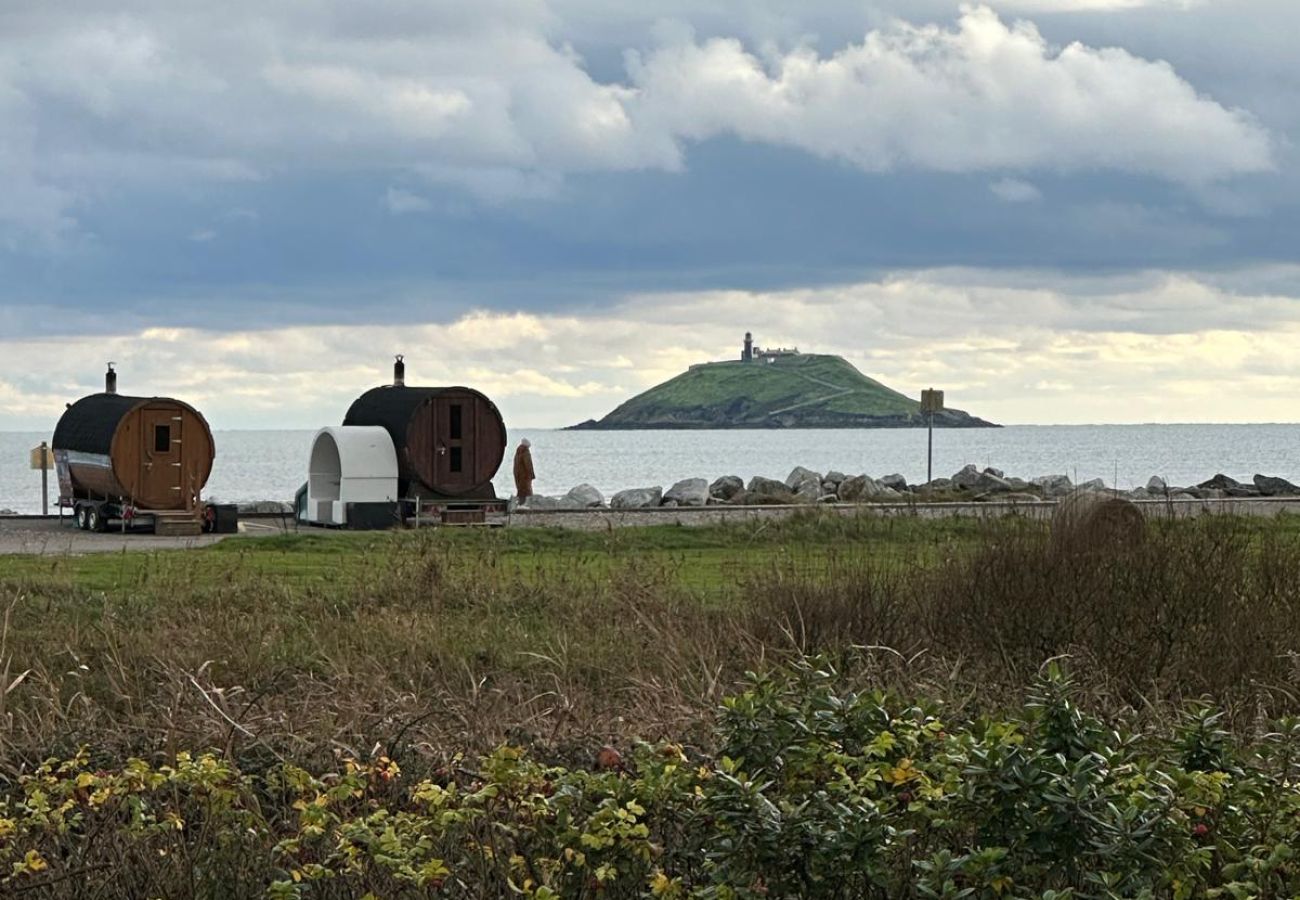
(161, 451)
(454, 424)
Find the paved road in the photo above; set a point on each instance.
(47, 537)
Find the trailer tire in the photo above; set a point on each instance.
(80, 517)
(95, 520)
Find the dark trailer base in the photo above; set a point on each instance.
(410, 513)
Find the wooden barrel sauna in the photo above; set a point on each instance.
(152, 453)
(450, 441)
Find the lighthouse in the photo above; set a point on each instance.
(747, 354)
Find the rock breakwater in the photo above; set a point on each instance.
(806, 486)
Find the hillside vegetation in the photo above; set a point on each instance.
(806, 391)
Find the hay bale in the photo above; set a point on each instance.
(1093, 521)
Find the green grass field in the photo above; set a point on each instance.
(701, 557)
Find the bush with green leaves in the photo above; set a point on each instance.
(814, 790)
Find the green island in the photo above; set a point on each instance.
(822, 706)
(780, 389)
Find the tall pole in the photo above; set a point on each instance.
(929, 449)
(45, 480)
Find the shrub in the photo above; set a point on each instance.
(816, 791)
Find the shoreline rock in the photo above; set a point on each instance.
(805, 486)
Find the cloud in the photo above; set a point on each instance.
(985, 95)
(399, 202)
(493, 97)
(1026, 347)
(1053, 6)
(1015, 190)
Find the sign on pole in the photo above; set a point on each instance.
(931, 403)
(42, 458)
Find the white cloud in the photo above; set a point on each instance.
(984, 95)
(1052, 6)
(1030, 347)
(492, 96)
(399, 202)
(1015, 190)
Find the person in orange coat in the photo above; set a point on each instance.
(524, 472)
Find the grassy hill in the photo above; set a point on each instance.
(806, 391)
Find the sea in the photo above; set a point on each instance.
(270, 465)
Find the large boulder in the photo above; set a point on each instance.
(637, 498)
(966, 479)
(689, 492)
(861, 488)
(1095, 485)
(798, 475)
(1157, 485)
(894, 482)
(8, 512)
(761, 491)
(833, 478)
(808, 492)
(1053, 485)
(854, 489)
(806, 484)
(989, 482)
(541, 501)
(1272, 486)
(727, 487)
(1221, 482)
(937, 485)
(584, 496)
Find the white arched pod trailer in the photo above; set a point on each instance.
(349, 464)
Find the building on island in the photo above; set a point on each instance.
(750, 353)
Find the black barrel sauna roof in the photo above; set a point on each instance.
(391, 407)
(88, 425)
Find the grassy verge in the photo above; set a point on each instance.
(301, 645)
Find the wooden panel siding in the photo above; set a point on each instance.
(419, 420)
(136, 463)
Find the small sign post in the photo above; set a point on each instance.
(931, 403)
(43, 458)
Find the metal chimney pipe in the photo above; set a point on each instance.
(399, 372)
(110, 380)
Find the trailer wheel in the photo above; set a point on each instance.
(82, 522)
(95, 520)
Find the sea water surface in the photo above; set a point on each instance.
(270, 465)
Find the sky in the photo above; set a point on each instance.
(1055, 210)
